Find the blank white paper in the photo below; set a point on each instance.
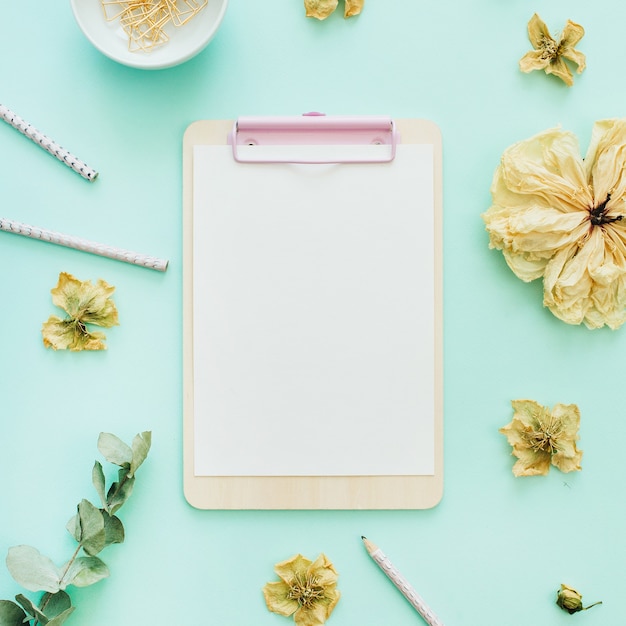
(313, 316)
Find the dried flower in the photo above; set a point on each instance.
(84, 304)
(307, 590)
(571, 601)
(541, 437)
(353, 7)
(321, 9)
(549, 54)
(557, 216)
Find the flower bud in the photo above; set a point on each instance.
(571, 600)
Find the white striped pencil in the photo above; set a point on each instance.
(80, 167)
(401, 583)
(69, 241)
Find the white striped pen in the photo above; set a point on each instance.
(69, 241)
(401, 583)
(80, 167)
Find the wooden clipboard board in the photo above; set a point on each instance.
(309, 491)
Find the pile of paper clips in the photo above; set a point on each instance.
(144, 21)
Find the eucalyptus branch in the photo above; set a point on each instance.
(94, 528)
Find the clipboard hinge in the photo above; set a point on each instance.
(314, 138)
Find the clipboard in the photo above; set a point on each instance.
(248, 357)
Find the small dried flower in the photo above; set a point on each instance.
(321, 9)
(541, 437)
(571, 601)
(353, 7)
(558, 216)
(307, 590)
(549, 54)
(84, 304)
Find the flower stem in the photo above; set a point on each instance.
(588, 607)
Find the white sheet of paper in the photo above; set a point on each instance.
(313, 316)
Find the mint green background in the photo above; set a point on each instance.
(496, 549)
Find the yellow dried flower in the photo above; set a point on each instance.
(321, 9)
(541, 437)
(549, 54)
(84, 304)
(353, 7)
(307, 590)
(571, 600)
(557, 216)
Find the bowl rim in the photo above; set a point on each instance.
(145, 62)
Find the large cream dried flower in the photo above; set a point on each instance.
(320, 9)
(549, 54)
(541, 437)
(84, 304)
(557, 216)
(307, 590)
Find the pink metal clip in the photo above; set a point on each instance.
(347, 139)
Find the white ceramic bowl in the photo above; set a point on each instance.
(185, 41)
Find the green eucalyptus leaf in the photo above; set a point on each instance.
(73, 527)
(94, 528)
(120, 491)
(113, 529)
(32, 570)
(92, 536)
(114, 450)
(32, 612)
(11, 614)
(97, 477)
(85, 571)
(61, 617)
(54, 604)
(140, 446)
